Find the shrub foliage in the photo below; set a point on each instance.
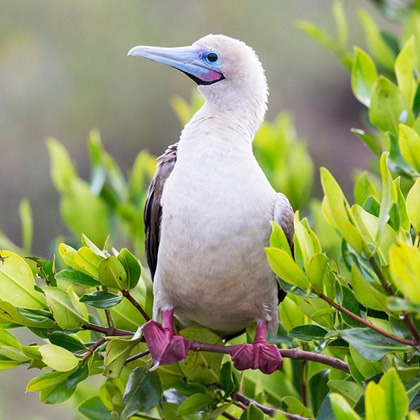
(349, 327)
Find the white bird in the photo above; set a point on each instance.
(209, 209)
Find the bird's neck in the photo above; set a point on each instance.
(229, 123)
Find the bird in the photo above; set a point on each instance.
(208, 211)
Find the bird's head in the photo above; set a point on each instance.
(227, 71)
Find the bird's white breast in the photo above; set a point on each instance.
(216, 208)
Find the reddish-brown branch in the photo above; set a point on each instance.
(108, 331)
(366, 323)
(288, 353)
(238, 396)
(134, 302)
(137, 356)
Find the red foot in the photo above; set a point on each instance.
(165, 347)
(262, 356)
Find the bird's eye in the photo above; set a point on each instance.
(212, 57)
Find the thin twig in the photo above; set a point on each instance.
(93, 347)
(134, 302)
(303, 382)
(108, 331)
(238, 396)
(109, 318)
(366, 323)
(137, 356)
(229, 416)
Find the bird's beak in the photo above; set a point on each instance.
(190, 60)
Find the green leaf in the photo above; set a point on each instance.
(319, 273)
(94, 409)
(9, 313)
(284, 266)
(342, 409)
(228, 379)
(295, 406)
(131, 266)
(405, 67)
(370, 344)
(117, 351)
(17, 282)
(340, 23)
(87, 261)
(308, 332)
(58, 358)
(395, 395)
(66, 341)
(65, 312)
(25, 213)
(388, 107)
(142, 393)
(112, 274)
(375, 402)
(63, 171)
(371, 142)
(278, 238)
(78, 277)
(364, 187)
(413, 204)
(46, 269)
(337, 211)
(47, 380)
(409, 143)
(377, 45)
(351, 390)
(252, 413)
(201, 366)
(363, 76)
(306, 243)
(101, 300)
(405, 270)
(367, 293)
(194, 403)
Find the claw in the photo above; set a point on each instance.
(259, 355)
(165, 347)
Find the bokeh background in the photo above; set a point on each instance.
(64, 70)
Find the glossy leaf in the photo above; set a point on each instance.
(101, 300)
(142, 393)
(308, 332)
(194, 403)
(117, 351)
(378, 47)
(405, 270)
(370, 141)
(342, 408)
(413, 204)
(336, 210)
(370, 344)
(405, 67)
(94, 409)
(409, 143)
(65, 312)
(17, 282)
(284, 266)
(112, 274)
(131, 266)
(88, 261)
(388, 107)
(78, 277)
(363, 76)
(10, 314)
(58, 358)
(278, 238)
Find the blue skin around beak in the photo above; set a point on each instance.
(197, 62)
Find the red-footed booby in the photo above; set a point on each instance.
(208, 211)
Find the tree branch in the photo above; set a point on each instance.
(134, 302)
(108, 331)
(237, 396)
(366, 323)
(288, 353)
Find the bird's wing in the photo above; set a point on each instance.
(153, 209)
(283, 215)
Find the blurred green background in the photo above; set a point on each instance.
(64, 70)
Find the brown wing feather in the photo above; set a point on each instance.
(153, 210)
